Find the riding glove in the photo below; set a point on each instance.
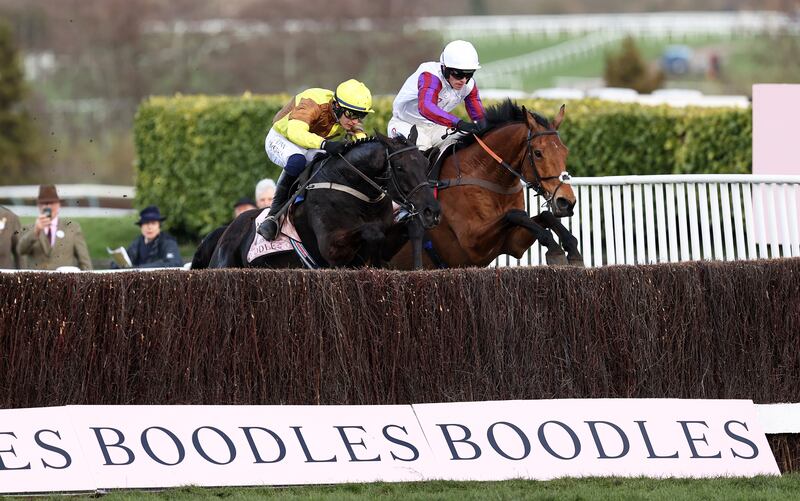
(466, 127)
(333, 147)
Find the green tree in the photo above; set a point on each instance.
(628, 69)
(18, 137)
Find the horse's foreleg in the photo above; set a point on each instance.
(415, 234)
(555, 254)
(373, 237)
(568, 240)
(222, 258)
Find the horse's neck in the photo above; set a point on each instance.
(474, 161)
(344, 173)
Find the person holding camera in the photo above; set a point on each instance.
(53, 242)
(313, 121)
(433, 91)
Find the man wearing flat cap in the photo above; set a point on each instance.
(153, 248)
(53, 242)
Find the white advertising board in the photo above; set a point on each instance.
(83, 448)
(544, 439)
(39, 452)
(156, 446)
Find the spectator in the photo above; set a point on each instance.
(242, 205)
(153, 248)
(9, 236)
(53, 242)
(265, 190)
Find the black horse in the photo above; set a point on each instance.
(347, 209)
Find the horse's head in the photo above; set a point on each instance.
(545, 164)
(408, 181)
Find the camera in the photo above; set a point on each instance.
(47, 211)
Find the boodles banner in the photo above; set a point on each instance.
(83, 448)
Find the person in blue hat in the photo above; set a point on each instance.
(153, 248)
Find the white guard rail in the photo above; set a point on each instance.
(672, 218)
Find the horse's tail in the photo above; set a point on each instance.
(202, 256)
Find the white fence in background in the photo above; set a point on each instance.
(78, 200)
(664, 24)
(649, 23)
(672, 218)
(502, 72)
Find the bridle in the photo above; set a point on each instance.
(536, 184)
(404, 200)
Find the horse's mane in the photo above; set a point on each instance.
(502, 114)
(358, 142)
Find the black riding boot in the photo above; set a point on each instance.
(269, 228)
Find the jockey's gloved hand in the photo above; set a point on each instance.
(333, 147)
(467, 127)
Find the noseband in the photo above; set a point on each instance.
(537, 184)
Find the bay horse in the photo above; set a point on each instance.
(347, 208)
(480, 190)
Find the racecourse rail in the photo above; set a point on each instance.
(674, 218)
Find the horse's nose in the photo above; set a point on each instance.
(564, 206)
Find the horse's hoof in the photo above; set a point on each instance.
(576, 261)
(557, 258)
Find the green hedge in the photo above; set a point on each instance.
(197, 154)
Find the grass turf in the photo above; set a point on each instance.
(758, 488)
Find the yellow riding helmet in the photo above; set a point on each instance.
(354, 95)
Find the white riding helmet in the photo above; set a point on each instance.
(461, 55)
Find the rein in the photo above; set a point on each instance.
(535, 185)
(404, 201)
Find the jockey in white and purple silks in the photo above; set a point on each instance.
(435, 89)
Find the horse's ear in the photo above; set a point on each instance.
(412, 137)
(385, 140)
(532, 125)
(560, 117)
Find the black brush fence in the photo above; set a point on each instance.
(690, 330)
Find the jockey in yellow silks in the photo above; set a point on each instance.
(314, 120)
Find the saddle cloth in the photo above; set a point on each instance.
(283, 242)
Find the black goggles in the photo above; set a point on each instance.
(459, 74)
(353, 114)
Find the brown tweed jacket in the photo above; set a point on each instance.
(70, 248)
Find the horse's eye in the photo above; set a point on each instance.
(538, 153)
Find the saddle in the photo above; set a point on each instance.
(287, 240)
(436, 158)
